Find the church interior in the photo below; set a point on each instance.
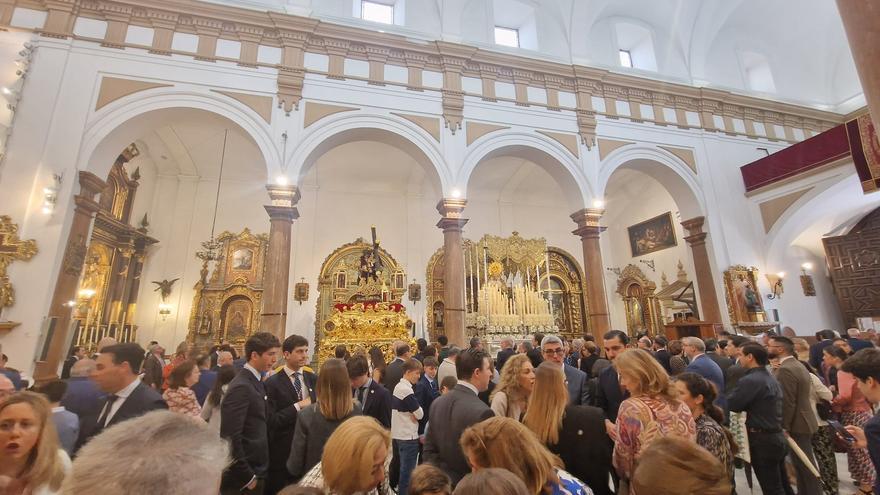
(359, 171)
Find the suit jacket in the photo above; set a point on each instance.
(585, 448)
(82, 396)
(309, 437)
(393, 374)
(608, 393)
(663, 357)
(153, 372)
(425, 394)
(704, 366)
(67, 427)
(535, 357)
(377, 404)
(281, 397)
(503, 356)
(450, 415)
(732, 376)
(797, 405)
(576, 381)
(859, 344)
(68, 364)
(723, 362)
(244, 424)
(816, 353)
(204, 385)
(142, 400)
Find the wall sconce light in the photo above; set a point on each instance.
(164, 311)
(807, 280)
(301, 291)
(50, 195)
(776, 285)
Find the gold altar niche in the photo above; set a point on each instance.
(360, 288)
(107, 295)
(640, 302)
(227, 306)
(509, 291)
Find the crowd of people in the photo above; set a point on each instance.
(544, 416)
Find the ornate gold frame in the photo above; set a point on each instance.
(731, 277)
(15, 250)
(650, 307)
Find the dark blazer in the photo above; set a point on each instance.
(68, 364)
(425, 394)
(587, 364)
(393, 374)
(82, 396)
(503, 356)
(153, 372)
(244, 424)
(797, 407)
(535, 357)
(311, 433)
(142, 400)
(608, 393)
(204, 385)
(816, 352)
(704, 366)
(663, 357)
(585, 448)
(858, 344)
(283, 415)
(377, 404)
(723, 362)
(450, 415)
(732, 376)
(576, 381)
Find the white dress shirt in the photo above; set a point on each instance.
(302, 382)
(121, 396)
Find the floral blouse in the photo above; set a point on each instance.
(182, 400)
(640, 421)
(710, 436)
(569, 485)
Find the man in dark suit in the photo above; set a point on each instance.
(720, 359)
(534, 353)
(83, 395)
(454, 412)
(153, 367)
(732, 375)
(703, 365)
(575, 379)
(116, 374)
(207, 377)
(609, 394)
(244, 418)
(798, 418)
(421, 345)
(394, 370)
(824, 338)
(505, 353)
(375, 399)
(661, 354)
(288, 391)
(78, 353)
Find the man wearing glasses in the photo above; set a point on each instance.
(575, 379)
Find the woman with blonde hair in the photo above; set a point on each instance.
(505, 443)
(354, 460)
(651, 412)
(317, 422)
(511, 396)
(675, 466)
(575, 433)
(31, 459)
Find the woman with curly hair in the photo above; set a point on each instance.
(511, 397)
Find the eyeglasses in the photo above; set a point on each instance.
(551, 352)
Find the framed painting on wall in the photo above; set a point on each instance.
(652, 235)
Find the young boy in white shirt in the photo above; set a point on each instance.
(405, 415)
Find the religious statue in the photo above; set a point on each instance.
(370, 265)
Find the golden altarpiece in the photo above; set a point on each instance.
(640, 301)
(510, 292)
(107, 296)
(228, 305)
(360, 288)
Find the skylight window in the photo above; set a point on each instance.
(626, 59)
(507, 37)
(377, 12)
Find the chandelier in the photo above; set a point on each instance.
(211, 248)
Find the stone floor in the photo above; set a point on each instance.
(846, 485)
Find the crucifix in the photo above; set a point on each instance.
(11, 249)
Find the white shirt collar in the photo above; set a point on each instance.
(253, 370)
(125, 392)
(367, 383)
(290, 371)
(58, 409)
(469, 386)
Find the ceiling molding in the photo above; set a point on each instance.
(476, 130)
(114, 88)
(317, 111)
(773, 209)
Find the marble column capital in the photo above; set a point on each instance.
(90, 185)
(694, 228)
(287, 195)
(587, 221)
(282, 213)
(451, 207)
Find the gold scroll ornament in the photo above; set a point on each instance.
(11, 249)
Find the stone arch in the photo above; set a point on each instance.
(106, 130)
(547, 153)
(339, 129)
(672, 173)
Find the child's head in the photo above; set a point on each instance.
(428, 480)
(448, 383)
(412, 370)
(431, 367)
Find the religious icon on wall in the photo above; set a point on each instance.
(652, 235)
(237, 316)
(743, 297)
(242, 259)
(399, 280)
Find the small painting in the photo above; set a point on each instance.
(652, 235)
(340, 280)
(242, 259)
(743, 299)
